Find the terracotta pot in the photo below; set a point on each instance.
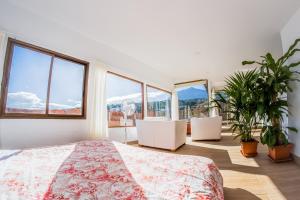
(249, 149)
(281, 153)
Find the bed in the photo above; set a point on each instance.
(103, 169)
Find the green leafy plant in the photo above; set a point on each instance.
(241, 103)
(274, 82)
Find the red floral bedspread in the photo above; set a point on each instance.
(102, 169)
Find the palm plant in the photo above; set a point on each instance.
(274, 82)
(241, 103)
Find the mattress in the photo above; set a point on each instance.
(103, 169)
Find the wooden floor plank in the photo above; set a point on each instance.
(247, 178)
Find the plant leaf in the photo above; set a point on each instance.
(248, 62)
(293, 129)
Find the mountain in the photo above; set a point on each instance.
(192, 93)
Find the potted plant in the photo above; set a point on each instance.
(241, 103)
(272, 84)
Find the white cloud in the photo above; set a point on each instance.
(157, 96)
(28, 100)
(75, 103)
(24, 100)
(136, 97)
(25, 97)
(59, 106)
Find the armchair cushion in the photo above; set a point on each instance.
(208, 128)
(161, 134)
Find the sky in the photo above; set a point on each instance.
(157, 95)
(28, 82)
(118, 89)
(199, 86)
(66, 84)
(118, 86)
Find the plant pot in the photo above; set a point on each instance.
(280, 153)
(249, 149)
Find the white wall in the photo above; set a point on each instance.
(289, 33)
(25, 133)
(23, 25)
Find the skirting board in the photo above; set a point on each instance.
(132, 142)
(296, 159)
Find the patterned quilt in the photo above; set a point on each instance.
(102, 169)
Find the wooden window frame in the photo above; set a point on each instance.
(205, 84)
(142, 91)
(6, 75)
(157, 88)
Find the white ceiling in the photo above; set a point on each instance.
(183, 39)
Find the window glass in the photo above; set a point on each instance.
(124, 100)
(223, 106)
(193, 101)
(29, 93)
(158, 103)
(66, 89)
(28, 81)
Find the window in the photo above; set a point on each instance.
(66, 88)
(216, 93)
(28, 81)
(158, 102)
(123, 94)
(40, 83)
(193, 99)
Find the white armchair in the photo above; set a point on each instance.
(207, 128)
(161, 134)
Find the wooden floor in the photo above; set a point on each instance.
(247, 178)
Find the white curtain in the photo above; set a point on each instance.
(97, 103)
(175, 111)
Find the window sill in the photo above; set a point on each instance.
(121, 126)
(37, 116)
